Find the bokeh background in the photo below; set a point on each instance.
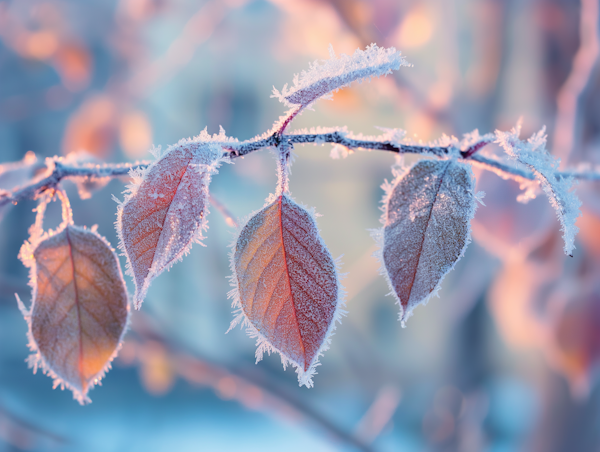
(504, 360)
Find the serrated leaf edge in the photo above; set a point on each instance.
(35, 360)
(138, 176)
(378, 236)
(262, 343)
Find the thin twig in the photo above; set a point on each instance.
(58, 171)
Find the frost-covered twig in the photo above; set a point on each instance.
(57, 171)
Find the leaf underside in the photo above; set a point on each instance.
(159, 223)
(80, 307)
(287, 281)
(426, 228)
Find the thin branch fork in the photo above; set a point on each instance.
(58, 170)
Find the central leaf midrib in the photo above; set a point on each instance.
(187, 165)
(77, 305)
(289, 281)
(420, 253)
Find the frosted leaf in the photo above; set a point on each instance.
(287, 289)
(165, 209)
(326, 77)
(80, 307)
(427, 214)
(533, 154)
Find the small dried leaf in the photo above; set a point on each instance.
(328, 76)
(165, 210)
(426, 228)
(559, 189)
(80, 307)
(287, 288)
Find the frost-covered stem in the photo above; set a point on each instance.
(284, 151)
(469, 155)
(503, 170)
(59, 171)
(67, 212)
(287, 120)
(581, 74)
(246, 147)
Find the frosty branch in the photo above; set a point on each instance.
(56, 170)
(286, 288)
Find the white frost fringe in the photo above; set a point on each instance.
(262, 343)
(399, 171)
(36, 361)
(533, 155)
(328, 76)
(212, 149)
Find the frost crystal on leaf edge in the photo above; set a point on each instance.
(262, 343)
(399, 171)
(212, 146)
(35, 360)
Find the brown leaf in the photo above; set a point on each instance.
(426, 228)
(80, 307)
(165, 211)
(287, 286)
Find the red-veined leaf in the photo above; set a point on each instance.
(426, 229)
(165, 210)
(80, 307)
(287, 287)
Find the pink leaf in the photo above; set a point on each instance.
(165, 210)
(287, 286)
(426, 228)
(80, 307)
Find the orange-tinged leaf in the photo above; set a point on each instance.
(165, 211)
(80, 307)
(287, 287)
(427, 214)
